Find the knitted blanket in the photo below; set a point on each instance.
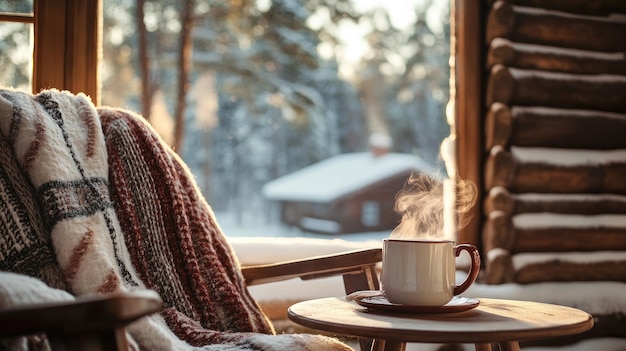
(118, 210)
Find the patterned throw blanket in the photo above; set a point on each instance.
(95, 202)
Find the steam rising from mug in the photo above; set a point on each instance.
(421, 206)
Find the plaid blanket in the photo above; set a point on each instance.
(109, 207)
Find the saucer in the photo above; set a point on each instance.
(380, 303)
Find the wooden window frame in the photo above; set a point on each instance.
(67, 48)
(68, 35)
(17, 17)
(468, 71)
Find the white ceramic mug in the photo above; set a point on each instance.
(422, 273)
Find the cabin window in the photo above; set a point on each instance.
(370, 213)
(321, 210)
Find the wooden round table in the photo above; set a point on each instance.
(494, 321)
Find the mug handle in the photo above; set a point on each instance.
(474, 267)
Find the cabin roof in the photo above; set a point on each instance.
(340, 175)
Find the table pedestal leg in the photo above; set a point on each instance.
(482, 347)
(509, 346)
(388, 345)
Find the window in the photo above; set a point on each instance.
(320, 87)
(275, 86)
(370, 213)
(16, 44)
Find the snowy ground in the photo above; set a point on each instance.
(279, 243)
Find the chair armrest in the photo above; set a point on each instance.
(357, 267)
(314, 267)
(92, 313)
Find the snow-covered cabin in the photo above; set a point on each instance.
(347, 193)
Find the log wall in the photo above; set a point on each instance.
(555, 139)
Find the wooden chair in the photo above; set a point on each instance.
(30, 237)
(90, 323)
(97, 323)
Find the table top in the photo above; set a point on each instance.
(493, 320)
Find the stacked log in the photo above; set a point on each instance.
(500, 199)
(560, 271)
(539, 126)
(521, 87)
(536, 25)
(555, 138)
(530, 171)
(597, 7)
(539, 57)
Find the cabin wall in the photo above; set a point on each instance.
(555, 146)
(347, 211)
(555, 141)
(350, 209)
